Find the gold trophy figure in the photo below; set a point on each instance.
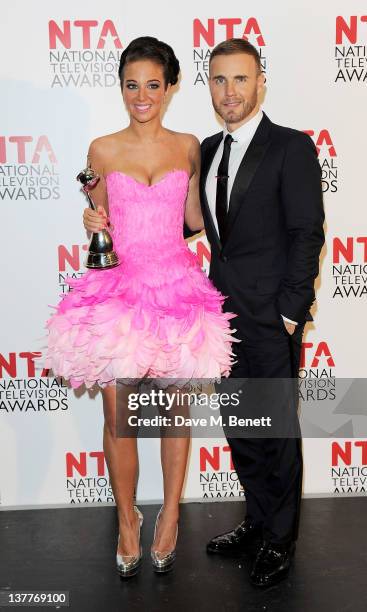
(100, 253)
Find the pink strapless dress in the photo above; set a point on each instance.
(156, 314)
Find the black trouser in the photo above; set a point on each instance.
(270, 469)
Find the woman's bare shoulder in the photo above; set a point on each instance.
(190, 144)
(187, 138)
(106, 147)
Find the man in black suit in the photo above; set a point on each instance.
(262, 205)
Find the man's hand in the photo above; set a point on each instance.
(289, 327)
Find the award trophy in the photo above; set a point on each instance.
(100, 254)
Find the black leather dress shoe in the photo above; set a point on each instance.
(245, 538)
(271, 564)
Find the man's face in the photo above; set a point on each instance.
(235, 84)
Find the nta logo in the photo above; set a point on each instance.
(215, 30)
(18, 147)
(80, 33)
(215, 458)
(80, 464)
(350, 54)
(323, 139)
(350, 266)
(318, 352)
(346, 248)
(349, 30)
(327, 158)
(10, 364)
(344, 453)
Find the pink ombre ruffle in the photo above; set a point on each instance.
(156, 314)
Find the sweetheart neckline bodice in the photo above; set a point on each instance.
(164, 177)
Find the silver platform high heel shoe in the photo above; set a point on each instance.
(128, 565)
(163, 560)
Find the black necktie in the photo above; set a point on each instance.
(222, 183)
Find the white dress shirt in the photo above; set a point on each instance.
(241, 140)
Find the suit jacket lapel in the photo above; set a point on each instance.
(246, 171)
(206, 162)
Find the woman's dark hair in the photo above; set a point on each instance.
(150, 48)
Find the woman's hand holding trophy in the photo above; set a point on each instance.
(100, 254)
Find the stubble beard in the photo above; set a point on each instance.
(236, 116)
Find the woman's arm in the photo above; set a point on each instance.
(93, 220)
(193, 216)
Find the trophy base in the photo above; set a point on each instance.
(100, 261)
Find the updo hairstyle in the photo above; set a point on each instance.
(150, 48)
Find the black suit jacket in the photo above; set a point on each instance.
(269, 259)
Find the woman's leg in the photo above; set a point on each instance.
(122, 462)
(174, 453)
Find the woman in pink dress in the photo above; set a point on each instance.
(156, 315)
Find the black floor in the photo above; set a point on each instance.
(74, 549)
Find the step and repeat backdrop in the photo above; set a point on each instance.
(59, 91)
